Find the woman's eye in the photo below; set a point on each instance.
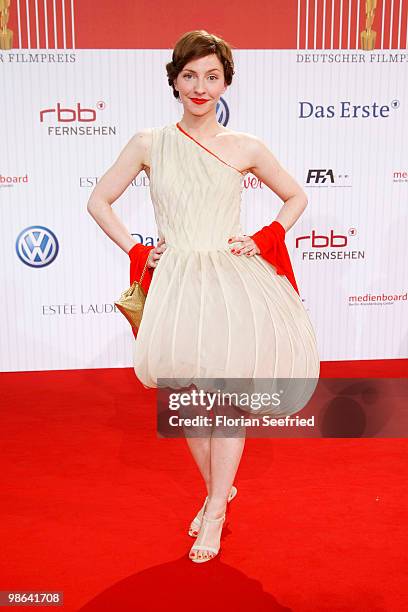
(212, 76)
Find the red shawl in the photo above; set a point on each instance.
(271, 242)
(138, 255)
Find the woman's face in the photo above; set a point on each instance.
(202, 79)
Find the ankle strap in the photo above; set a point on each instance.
(217, 520)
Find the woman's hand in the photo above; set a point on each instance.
(246, 246)
(156, 253)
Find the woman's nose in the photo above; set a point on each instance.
(199, 88)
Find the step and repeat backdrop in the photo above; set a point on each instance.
(331, 105)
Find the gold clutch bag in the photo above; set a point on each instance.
(132, 301)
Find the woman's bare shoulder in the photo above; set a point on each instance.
(142, 143)
(143, 137)
(245, 138)
(246, 147)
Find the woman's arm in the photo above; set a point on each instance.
(113, 183)
(266, 167)
(269, 242)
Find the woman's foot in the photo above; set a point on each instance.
(196, 522)
(207, 545)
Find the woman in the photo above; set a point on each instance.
(219, 303)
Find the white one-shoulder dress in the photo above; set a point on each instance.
(209, 313)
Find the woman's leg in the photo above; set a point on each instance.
(200, 449)
(217, 458)
(225, 457)
(227, 445)
(198, 439)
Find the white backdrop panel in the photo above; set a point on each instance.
(61, 316)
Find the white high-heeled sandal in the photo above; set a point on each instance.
(196, 522)
(207, 547)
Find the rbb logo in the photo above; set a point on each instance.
(321, 241)
(320, 175)
(68, 115)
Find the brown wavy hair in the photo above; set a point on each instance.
(195, 44)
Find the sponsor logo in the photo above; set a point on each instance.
(333, 245)
(346, 110)
(75, 309)
(400, 176)
(146, 240)
(325, 177)
(252, 182)
(10, 181)
(222, 112)
(89, 182)
(82, 120)
(37, 246)
(377, 299)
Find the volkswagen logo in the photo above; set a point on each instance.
(37, 246)
(222, 112)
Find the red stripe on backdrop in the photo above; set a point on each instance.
(329, 43)
(349, 11)
(307, 25)
(403, 33)
(336, 24)
(13, 24)
(42, 23)
(382, 21)
(50, 24)
(333, 12)
(30, 24)
(136, 25)
(69, 9)
(108, 24)
(44, 9)
(63, 13)
(58, 24)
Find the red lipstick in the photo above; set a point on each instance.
(198, 100)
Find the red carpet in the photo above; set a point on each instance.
(95, 505)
